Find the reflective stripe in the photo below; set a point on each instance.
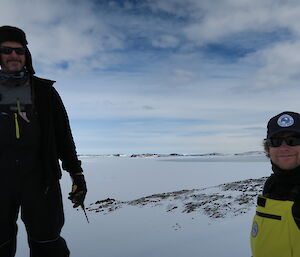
(45, 241)
(5, 243)
(269, 216)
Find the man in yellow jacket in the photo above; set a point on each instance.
(276, 225)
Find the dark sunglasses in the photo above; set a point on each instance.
(277, 141)
(9, 50)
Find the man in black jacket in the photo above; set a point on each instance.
(34, 135)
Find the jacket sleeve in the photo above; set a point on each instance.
(66, 149)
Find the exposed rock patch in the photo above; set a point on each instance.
(225, 200)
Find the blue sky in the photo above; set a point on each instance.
(165, 76)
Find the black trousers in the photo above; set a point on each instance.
(41, 212)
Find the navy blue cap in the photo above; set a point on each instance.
(284, 122)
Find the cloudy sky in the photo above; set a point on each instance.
(165, 76)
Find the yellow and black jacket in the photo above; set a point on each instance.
(276, 226)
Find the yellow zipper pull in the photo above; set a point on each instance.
(17, 126)
(18, 106)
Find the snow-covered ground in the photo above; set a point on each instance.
(171, 206)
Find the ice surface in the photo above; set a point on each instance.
(150, 230)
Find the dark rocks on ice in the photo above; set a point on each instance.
(225, 200)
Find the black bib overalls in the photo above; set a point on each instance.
(21, 185)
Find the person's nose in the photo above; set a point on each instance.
(284, 144)
(13, 54)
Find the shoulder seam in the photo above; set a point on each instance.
(48, 81)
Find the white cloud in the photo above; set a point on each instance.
(165, 41)
(61, 31)
(280, 66)
(148, 61)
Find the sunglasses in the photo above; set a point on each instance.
(277, 141)
(9, 50)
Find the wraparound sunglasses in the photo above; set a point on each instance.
(277, 141)
(9, 50)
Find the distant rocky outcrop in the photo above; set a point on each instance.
(225, 200)
(148, 155)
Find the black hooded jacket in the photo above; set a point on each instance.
(56, 137)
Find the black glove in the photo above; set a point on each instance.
(79, 191)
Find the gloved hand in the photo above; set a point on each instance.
(79, 190)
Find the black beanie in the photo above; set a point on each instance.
(14, 34)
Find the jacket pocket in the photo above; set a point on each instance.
(269, 216)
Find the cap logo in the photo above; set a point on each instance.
(285, 120)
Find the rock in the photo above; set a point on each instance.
(225, 200)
